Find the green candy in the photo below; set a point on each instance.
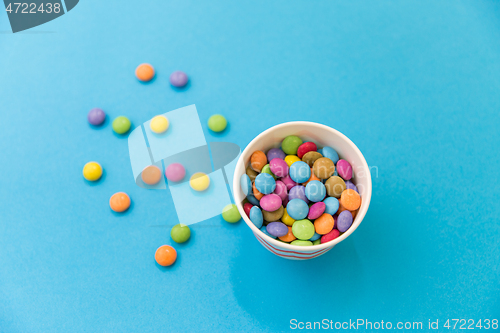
(217, 123)
(290, 144)
(317, 241)
(180, 233)
(231, 214)
(301, 242)
(267, 169)
(303, 229)
(121, 125)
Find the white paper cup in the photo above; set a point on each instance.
(323, 136)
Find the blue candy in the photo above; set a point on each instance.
(315, 191)
(300, 172)
(256, 216)
(332, 205)
(246, 184)
(253, 200)
(297, 209)
(315, 237)
(298, 192)
(330, 153)
(265, 183)
(264, 230)
(277, 229)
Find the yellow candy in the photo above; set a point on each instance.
(199, 181)
(287, 219)
(290, 159)
(92, 171)
(159, 124)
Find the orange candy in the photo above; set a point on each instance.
(313, 177)
(350, 199)
(341, 208)
(151, 175)
(145, 72)
(165, 255)
(289, 237)
(119, 202)
(258, 160)
(256, 192)
(324, 224)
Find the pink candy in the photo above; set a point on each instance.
(270, 202)
(344, 169)
(316, 210)
(281, 190)
(288, 182)
(175, 172)
(278, 167)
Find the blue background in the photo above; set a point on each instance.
(415, 84)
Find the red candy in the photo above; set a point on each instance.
(330, 236)
(246, 207)
(305, 148)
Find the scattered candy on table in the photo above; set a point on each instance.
(180, 233)
(145, 72)
(178, 79)
(217, 123)
(151, 175)
(159, 124)
(92, 171)
(300, 194)
(231, 214)
(199, 181)
(121, 125)
(119, 202)
(96, 116)
(165, 255)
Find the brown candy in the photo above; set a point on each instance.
(335, 186)
(251, 174)
(273, 216)
(311, 157)
(323, 168)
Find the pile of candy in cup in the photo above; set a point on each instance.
(300, 194)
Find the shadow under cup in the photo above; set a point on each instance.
(323, 136)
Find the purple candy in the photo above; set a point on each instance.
(350, 185)
(298, 192)
(277, 229)
(344, 221)
(344, 169)
(278, 167)
(288, 182)
(335, 218)
(178, 79)
(316, 210)
(275, 153)
(270, 202)
(96, 116)
(281, 190)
